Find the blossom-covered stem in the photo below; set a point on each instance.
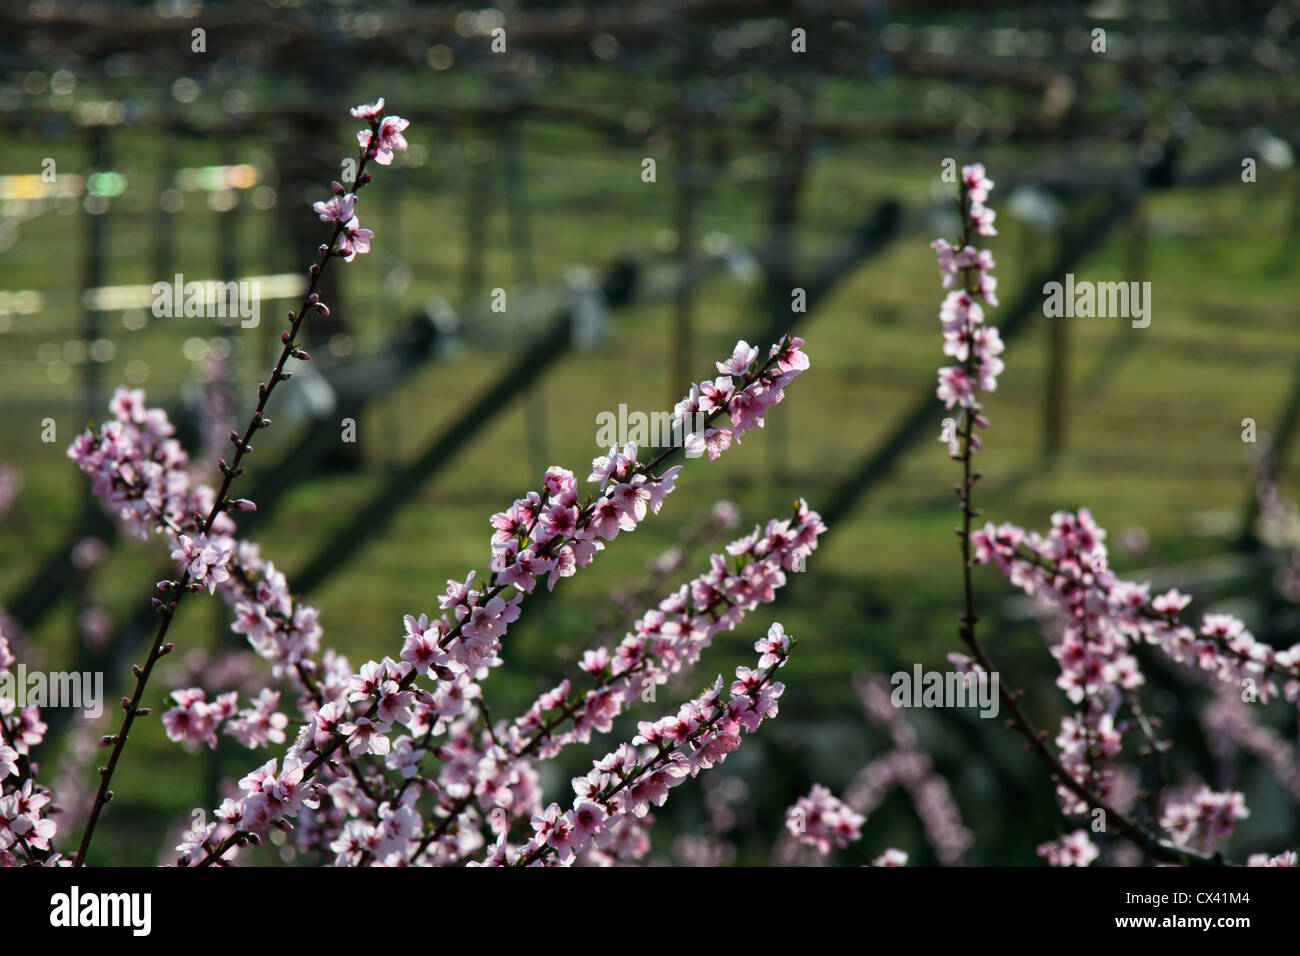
(1292, 673)
(575, 704)
(750, 378)
(221, 503)
(627, 603)
(665, 754)
(976, 349)
(967, 630)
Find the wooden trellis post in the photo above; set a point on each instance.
(684, 225)
(1057, 368)
(164, 232)
(521, 251)
(478, 203)
(792, 140)
(92, 276)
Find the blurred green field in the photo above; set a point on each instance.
(1153, 441)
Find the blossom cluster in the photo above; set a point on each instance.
(822, 820)
(623, 784)
(142, 474)
(1204, 819)
(1101, 619)
(1068, 569)
(195, 720)
(673, 635)
(25, 828)
(744, 398)
(974, 345)
(378, 142)
(136, 466)
(139, 469)
(1073, 849)
(279, 627)
(1104, 619)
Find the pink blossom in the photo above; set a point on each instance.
(337, 208)
(890, 857)
(385, 139)
(354, 240)
(205, 559)
(742, 357)
(368, 112)
(1074, 849)
(261, 724)
(421, 647)
(823, 821)
(955, 387)
(977, 184)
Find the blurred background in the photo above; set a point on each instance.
(131, 152)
